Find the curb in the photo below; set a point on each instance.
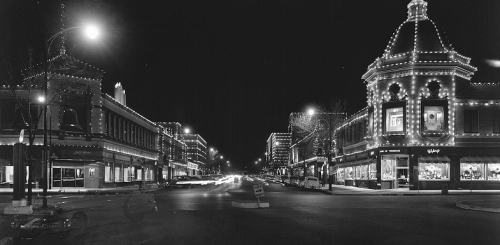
(248, 204)
(462, 205)
(7, 241)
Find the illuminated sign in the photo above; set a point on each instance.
(391, 151)
(430, 151)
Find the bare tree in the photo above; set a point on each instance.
(317, 131)
(213, 156)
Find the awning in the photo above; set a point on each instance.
(433, 158)
(364, 161)
(481, 159)
(357, 163)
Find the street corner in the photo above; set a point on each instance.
(249, 204)
(480, 205)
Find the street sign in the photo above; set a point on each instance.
(258, 190)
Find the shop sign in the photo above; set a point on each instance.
(80, 153)
(433, 151)
(393, 151)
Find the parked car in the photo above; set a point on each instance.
(292, 181)
(283, 179)
(276, 179)
(311, 182)
(300, 182)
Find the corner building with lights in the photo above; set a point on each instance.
(93, 141)
(426, 125)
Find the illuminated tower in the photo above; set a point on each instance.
(412, 87)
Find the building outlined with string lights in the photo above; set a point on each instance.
(426, 124)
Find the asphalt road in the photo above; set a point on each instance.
(204, 215)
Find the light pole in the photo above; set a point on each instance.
(91, 32)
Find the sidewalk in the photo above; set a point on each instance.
(477, 205)
(352, 190)
(71, 190)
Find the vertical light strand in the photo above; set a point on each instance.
(452, 108)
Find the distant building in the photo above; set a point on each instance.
(197, 152)
(277, 151)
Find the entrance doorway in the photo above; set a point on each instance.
(68, 177)
(402, 171)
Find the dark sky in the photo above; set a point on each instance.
(233, 71)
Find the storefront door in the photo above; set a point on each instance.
(68, 177)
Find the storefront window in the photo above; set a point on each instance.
(364, 171)
(372, 168)
(434, 171)
(139, 174)
(340, 175)
(128, 174)
(388, 168)
(394, 119)
(349, 173)
(149, 175)
(493, 171)
(9, 174)
(357, 171)
(118, 174)
(472, 171)
(433, 118)
(108, 177)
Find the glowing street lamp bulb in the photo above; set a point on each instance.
(310, 112)
(186, 130)
(92, 32)
(41, 99)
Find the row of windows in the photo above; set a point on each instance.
(123, 129)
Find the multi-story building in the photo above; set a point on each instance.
(426, 125)
(94, 140)
(197, 152)
(277, 151)
(174, 154)
(196, 148)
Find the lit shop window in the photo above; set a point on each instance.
(349, 173)
(434, 171)
(394, 120)
(388, 168)
(433, 118)
(363, 169)
(373, 170)
(472, 171)
(118, 174)
(493, 171)
(139, 174)
(108, 177)
(340, 175)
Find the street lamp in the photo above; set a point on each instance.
(92, 32)
(311, 112)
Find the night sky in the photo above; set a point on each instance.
(232, 71)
